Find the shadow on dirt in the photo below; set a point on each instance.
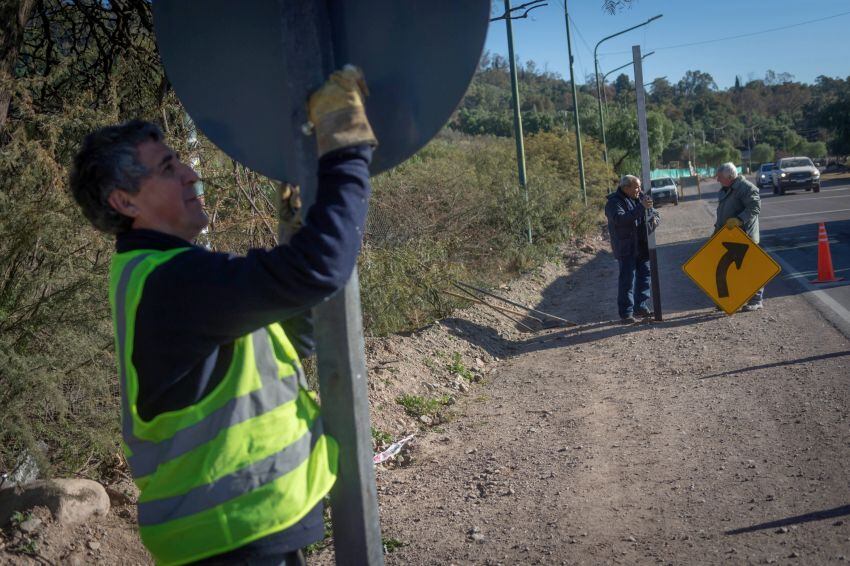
(780, 364)
(490, 340)
(588, 295)
(796, 520)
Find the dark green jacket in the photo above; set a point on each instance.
(740, 200)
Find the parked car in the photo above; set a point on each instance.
(664, 190)
(763, 176)
(795, 173)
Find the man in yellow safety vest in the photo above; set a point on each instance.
(224, 440)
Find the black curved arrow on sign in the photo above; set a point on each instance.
(734, 253)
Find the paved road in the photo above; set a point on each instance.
(789, 232)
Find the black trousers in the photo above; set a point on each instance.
(248, 556)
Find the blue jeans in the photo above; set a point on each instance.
(633, 285)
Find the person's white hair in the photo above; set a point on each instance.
(627, 181)
(728, 170)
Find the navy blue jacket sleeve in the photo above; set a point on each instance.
(622, 217)
(200, 299)
(220, 297)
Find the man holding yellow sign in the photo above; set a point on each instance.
(739, 205)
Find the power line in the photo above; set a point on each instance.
(739, 36)
(581, 37)
(578, 55)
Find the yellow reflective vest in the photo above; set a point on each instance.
(248, 460)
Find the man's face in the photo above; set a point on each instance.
(723, 179)
(633, 190)
(166, 200)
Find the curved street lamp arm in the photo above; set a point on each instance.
(598, 88)
(624, 31)
(626, 65)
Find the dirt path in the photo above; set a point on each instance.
(641, 444)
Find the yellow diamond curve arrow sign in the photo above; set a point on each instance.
(730, 268)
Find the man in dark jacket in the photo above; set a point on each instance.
(626, 213)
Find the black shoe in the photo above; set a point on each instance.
(628, 320)
(645, 313)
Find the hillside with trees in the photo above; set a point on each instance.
(689, 120)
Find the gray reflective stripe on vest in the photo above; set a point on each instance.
(121, 327)
(147, 456)
(302, 378)
(238, 483)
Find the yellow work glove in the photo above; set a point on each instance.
(734, 223)
(337, 113)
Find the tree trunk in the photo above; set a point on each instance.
(14, 15)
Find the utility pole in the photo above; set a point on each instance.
(645, 178)
(520, 147)
(580, 155)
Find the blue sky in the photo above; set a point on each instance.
(805, 51)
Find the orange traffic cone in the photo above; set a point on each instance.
(825, 272)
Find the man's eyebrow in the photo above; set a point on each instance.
(166, 159)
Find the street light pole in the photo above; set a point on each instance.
(579, 154)
(604, 93)
(598, 89)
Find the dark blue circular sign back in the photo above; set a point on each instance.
(227, 62)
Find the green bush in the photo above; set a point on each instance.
(455, 211)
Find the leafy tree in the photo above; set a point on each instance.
(763, 153)
(622, 84)
(813, 149)
(696, 83)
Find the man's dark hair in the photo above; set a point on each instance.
(108, 160)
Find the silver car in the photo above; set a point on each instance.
(664, 190)
(763, 176)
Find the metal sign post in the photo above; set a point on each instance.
(306, 38)
(645, 178)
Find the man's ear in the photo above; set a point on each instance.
(122, 202)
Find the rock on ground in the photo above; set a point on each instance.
(69, 500)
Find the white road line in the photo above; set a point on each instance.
(824, 298)
(814, 196)
(805, 213)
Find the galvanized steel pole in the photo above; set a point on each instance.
(579, 153)
(306, 36)
(520, 148)
(645, 178)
